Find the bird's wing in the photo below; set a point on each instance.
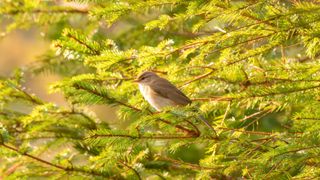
(164, 88)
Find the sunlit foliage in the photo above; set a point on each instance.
(250, 67)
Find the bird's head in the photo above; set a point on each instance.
(146, 77)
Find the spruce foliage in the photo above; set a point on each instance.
(250, 67)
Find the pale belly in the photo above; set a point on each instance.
(156, 101)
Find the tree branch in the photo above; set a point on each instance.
(67, 169)
(217, 98)
(191, 132)
(135, 171)
(47, 11)
(106, 97)
(255, 132)
(95, 52)
(296, 150)
(173, 136)
(197, 78)
(187, 165)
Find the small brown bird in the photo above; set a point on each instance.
(160, 93)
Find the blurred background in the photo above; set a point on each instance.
(20, 48)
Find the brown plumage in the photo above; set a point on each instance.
(159, 92)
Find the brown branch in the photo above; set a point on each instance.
(188, 131)
(106, 97)
(67, 169)
(173, 136)
(226, 113)
(264, 139)
(11, 169)
(34, 157)
(268, 81)
(273, 167)
(51, 137)
(201, 67)
(307, 58)
(88, 118)
(258, 118)
(252, 115)
(73, 112)
(257, 147)
(296, 150)
(218, 98)
(187, 165)
(242, 59)
(307, 118)
(255, 132)
(219, 49)
(279, 93)
(95, 52)
(241, 10)
(247, 132)
(135, 171)
(254, 96)
(292, 80)
(30, 97)
(195, 127)
(192, 34)
(119, 79)
(242, 42)
(49, 11)
(197, 78)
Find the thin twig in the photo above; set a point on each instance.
(188, 165)
(34, 157)
(49, 11)
(195, 127)
(135, 171)
(226, 113)
(67, 169)
(218, 98)
(257, 132)
(179, 127)
(173, 136)
(31, 98)
(307, 118)
(296, 150)
(108, 98)
(96, 52)
(258, 118)
(251, 116)
(197, 78)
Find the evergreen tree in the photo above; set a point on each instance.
(251, 68)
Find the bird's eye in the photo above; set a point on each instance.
(142, 78)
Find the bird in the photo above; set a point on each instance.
(161, 93)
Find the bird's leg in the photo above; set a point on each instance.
(195, 127)
(208, 124)
(181, 128)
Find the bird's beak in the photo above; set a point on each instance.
(136, 80)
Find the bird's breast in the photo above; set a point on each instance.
(155, 100)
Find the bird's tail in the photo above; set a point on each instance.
(207, 124)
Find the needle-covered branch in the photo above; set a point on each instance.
(250, 68)
(63, 168)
